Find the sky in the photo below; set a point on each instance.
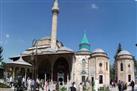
(106, 23)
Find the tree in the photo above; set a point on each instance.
(118, 50)
(2, 64)
(1, 50)
(112, 71)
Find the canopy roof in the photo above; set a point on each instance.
(20, 61)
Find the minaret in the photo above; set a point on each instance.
(55, 12)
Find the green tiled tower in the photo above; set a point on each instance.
(84, 44)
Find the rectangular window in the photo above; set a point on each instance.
(129, 78)
(92, 79)
(121, 66)
(83, 78)
(100, 79)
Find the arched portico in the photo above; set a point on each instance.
(44, 69)
(61, 70)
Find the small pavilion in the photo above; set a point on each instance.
(19, 67)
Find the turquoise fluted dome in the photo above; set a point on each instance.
(84, 44)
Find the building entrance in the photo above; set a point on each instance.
(61, 70)
(44, 69)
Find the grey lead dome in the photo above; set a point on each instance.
(98, 50)
(124, 52)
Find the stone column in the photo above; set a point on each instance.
(73, 70)
(52, 65)
(25, 73)
(13, 74)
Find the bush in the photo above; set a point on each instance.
(4, 85)
(63, 89)
(103, 89)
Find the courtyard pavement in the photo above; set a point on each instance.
(111, 89)
(128, 89)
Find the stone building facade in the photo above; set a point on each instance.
(56, 62)
(125, 67)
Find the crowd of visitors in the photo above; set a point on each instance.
(122, 86)
(22, 84)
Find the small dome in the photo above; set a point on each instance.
(98, 50)
(124, 52)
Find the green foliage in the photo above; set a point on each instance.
(112, 72)
(104, 89)
(63, 89)
(2, 64)
(4, 85)
(1, 50)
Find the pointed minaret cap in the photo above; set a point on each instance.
(55, 6)
(84, 44)
(85, 39)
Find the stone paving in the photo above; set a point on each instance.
(128, 89)
(111, 89)
(6, 89)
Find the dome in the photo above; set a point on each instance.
(46, 41)
(124, 52)
(98, 50)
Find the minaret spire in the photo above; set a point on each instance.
(55, 12)
(55, 6)
(84, 44)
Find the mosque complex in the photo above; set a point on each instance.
(49, 59)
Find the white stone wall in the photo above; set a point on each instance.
(79, 68)
(123, 75)
(92, 69)
(100, 70)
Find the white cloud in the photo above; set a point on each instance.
(94, 6)
(7, 35)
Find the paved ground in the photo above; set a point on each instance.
(6, 89)
(128, 89)
(111, 89)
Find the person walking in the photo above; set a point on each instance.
(132, 84)
(72, 88)
(119, 85)
(28, 84)
(80, 87)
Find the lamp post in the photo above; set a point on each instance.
(34, 60)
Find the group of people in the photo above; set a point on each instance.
(122, 85)
(29, 84)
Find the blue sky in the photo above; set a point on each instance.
(106, 23)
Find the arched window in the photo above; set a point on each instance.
(121, 66)
(106, 65)
(129, 78)
(129, 65)
(100, 64)
(83, 64)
